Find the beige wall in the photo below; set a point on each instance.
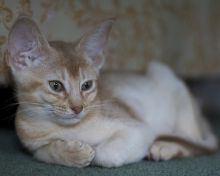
(183, 33)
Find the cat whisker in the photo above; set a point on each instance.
(13, 98)
(103, 103)
(94, 107)
(16, 104)
(9, 118)
(7, 107)
(31, 103)
(56, 109)
(30, 113)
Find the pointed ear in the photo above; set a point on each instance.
(93, 44)
(25, 44)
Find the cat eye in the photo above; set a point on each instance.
(86, 85)
(56, 86)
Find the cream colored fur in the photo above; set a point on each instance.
(123, 114)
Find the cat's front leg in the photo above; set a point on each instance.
(68, 153)
(121, 148)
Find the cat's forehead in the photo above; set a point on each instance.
(67, 64)
(66, 58)
(64, 48)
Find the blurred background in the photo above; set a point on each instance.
(184, 34)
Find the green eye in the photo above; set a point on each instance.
(56, 86)
(86, 85)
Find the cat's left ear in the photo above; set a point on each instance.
(93, 44)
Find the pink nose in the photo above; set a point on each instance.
(77, 109)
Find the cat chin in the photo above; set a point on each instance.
(69, 120)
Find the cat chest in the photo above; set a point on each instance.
(92, 133)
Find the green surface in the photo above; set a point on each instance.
(15, 162)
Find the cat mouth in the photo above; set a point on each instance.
(71, 117)
(68, 120)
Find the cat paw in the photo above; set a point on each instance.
(77, 153)
(161, 150)
(108, 157)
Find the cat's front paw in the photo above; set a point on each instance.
(76, 153)
(162, 150)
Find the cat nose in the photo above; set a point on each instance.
(77, 109)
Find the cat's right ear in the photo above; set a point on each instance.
(26, 44)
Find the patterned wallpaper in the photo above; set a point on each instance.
(184, 34)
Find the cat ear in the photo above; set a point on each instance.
(25, 44)
(93, 44)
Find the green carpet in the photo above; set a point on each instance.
(14, 161)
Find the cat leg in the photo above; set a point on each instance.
(169, 147)
(74, 153)
(120, 149)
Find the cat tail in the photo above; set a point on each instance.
(209, 141)
(207, 144)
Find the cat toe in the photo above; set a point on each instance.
(80, 154)
(164, 151)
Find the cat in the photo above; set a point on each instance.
(72, 114)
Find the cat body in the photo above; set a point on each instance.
(72, 115)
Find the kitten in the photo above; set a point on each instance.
(69, 115)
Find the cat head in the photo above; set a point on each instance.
(58, 79)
